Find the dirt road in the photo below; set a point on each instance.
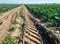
(7, 19)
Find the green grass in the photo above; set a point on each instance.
(46, 12)
(10, 40)
(13, 28)
(7, 7)
(15, 22)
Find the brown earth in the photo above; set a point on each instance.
(32, 31)
(7, 19)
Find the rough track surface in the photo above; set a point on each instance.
(7, 19)
(31, 35)
(31, 32)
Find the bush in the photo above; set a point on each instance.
(12, 28)
(10, 40)
(15, 22)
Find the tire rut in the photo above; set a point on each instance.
(7, 19)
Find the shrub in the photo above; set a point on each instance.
(12, 28)
(15, 22)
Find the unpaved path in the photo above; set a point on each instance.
(7, 19)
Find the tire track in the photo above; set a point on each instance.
(7, 18)
(31, 35)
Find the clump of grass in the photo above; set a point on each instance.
(15, 22)
(10, 40)
(13, 28)
(56, 31)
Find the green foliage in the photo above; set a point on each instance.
(10, 40)
(15, 22)
(13, 28)
(7, 7)
(47, 13)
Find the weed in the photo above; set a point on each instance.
(10, 40)
(12, 28)
(15, 22)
